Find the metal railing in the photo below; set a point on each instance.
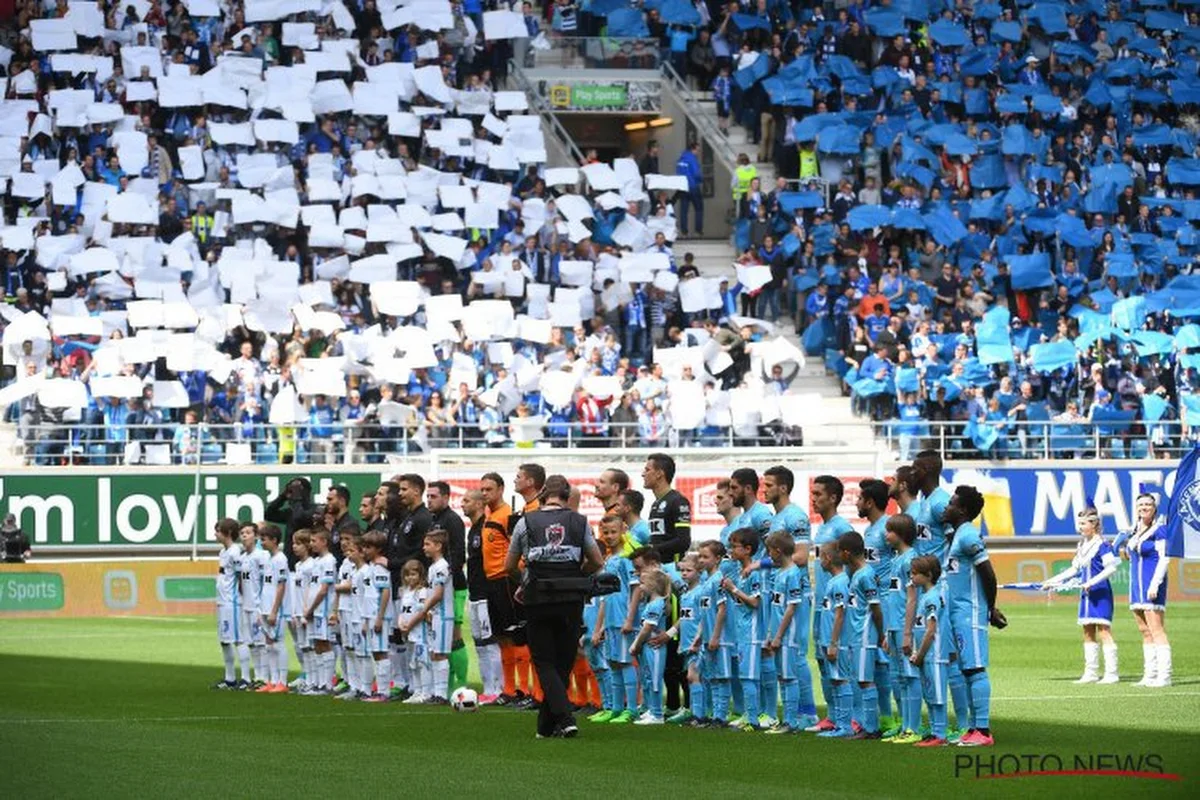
(596, 52)
(367, 442)
(540, 105)
(1040, 440)
(721, 148)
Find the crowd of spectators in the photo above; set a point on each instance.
(984, 210)
(294, 230)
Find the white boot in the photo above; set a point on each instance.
(1110, 664)
(1150, 666)
(1091, 663)
(1163, 676)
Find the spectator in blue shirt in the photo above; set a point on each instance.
(688, 165)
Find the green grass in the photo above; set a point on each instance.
(121, 707)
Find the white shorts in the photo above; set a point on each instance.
(318, 629)
(481, 621)
(441, 635)
(226, 630)
(300, 635)
(345, 631)
(275, 634)
(249, 628)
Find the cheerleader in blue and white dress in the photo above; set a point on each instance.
(1094, 563)
(1146, 550)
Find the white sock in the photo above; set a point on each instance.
(441, 678)
(363, 672)
(296, 649)
(339, 658)
(281, 662)
(402, 673)
(227, 657)
(243, 651)
(1149, 659)
(383, 675)
(427, 679)
(310, 668)
(1110, 659)
(417, 676)
(256, 658)
(1162, 654)
(328, 663)
(491, 671)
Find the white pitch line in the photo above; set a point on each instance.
(219, 718)
(1097, 696)
(111, 635)
(151, 618)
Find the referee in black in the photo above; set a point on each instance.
(559, 552)
(671, 535)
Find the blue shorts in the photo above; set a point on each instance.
(901, 666)
(841, 669)
(862, 664)
(787, 662)
(933, 682)
(616, 646)
(971, 642)
(718, 664)
(653, 662)
(595, 655)
(749, 661)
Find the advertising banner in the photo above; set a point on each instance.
(632, 95)
(188, 588)
(65, 509)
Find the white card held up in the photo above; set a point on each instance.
(753, 278)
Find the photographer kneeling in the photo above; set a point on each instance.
(559, 554)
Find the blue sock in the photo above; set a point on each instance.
(604, 681)
(826, 687)
(958, 695)
(791, 703)
(698, 698)
(908, 721)
(750, 699)
(898, 693)
(735, 691)
(654, 700)
(883, 682)
(720, 700)
(914, 703)
(768, 689)
(979, 686)
(937, 719)
(856, 713)
(870, 708)
(844, 705)
(629, 679)
(808, 704)
(616, 688)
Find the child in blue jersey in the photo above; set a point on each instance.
(609, 621)
(864, 618)
(835, 656)
(971, 597)
(743, 596)
(931, 644)
(790, 518)
(1094, 563)
(716, 657)
(872, 506)
(784, 641)
(595, 658)
(629, 507)
(899, 602)
(687, 630)
(743, 489)
(826, 495)
(657, 588)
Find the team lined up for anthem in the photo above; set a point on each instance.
(715, 637)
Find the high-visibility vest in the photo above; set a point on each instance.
(202, 224)
(744, 176)
(808, 164)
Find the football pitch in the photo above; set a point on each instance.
(116, 707)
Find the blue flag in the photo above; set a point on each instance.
(1183, 510)
(1031, 271)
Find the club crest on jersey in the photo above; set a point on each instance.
(555, 534)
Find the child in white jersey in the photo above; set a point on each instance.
(377, 614)
(227, 588)
(411, 625)
(318, 610)
(272, 607)
(301, 548)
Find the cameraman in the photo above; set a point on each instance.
(559, 553)
(13, 543)
(294, 510)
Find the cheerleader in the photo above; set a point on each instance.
(1094, 563)
(1146, 551)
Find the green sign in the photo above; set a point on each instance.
(31, 591)
(584, 96)
(150, 508)
(186, 590)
